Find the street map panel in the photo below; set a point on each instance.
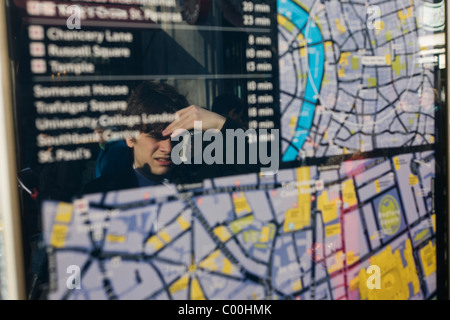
(316, 232)
(351, 77)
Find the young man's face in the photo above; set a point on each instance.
(153, 151)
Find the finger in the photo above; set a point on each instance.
(170, 127)
(192, 113)
(186, 110)
(186, 123)
(174, 124)
(180, 116)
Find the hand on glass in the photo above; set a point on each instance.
(185, 120)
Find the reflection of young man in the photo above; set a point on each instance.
(152, 147)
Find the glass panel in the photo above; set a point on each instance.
(311, 172)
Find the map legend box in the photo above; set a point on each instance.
(37, 49)
(36, 33)
(38, 66)
(38, 8)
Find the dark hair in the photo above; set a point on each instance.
(152, 98)
(225, 102)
